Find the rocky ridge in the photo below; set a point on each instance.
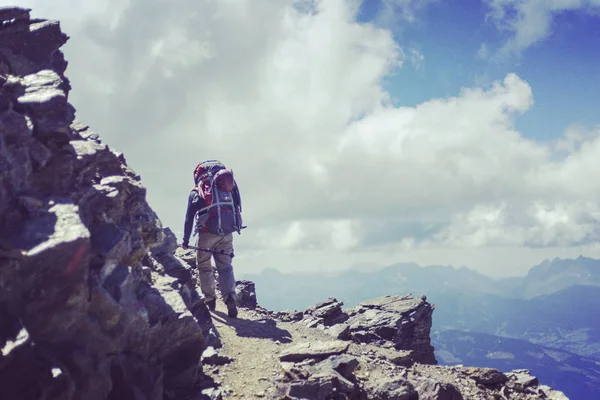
(97, 301)
(86, 308)
(366, 353)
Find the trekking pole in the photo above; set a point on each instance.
(211, 251)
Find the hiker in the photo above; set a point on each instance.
(215, 204)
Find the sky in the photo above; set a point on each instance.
(362, 134)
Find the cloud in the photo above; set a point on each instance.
(394, 11)
(416, 58)
(530, 21)
(291, 95)
(539, 225)
(574, 138)
(483, 53)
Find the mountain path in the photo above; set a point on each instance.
(253, 341)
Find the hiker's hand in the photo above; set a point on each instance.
(184, 246)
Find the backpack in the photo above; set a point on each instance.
(218, 189)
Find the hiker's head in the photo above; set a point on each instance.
(224, 180)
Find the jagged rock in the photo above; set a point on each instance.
(30, 46)
(335, 376)
(317, 350)
(398, 357)
(246, 294)
(287, 315)
(458, 382)
(329, 312)
(14, 13)
(487, 376)
(212, 338)
(44, 100)
(521, 379)
(75, 229)
(311, 321)
(212, 357)
(396, 389)
(211, 394)
(339, 331)
(110, 242)
(189, 255)
(432, 390)
(401, 322)
(320, 380)
(396, 322)
(168, 245)
(546, 392)
(173, 266)
(29, 373)
(344, 364)
(318, 388)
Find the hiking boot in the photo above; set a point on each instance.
(231, 307)
(212, 304)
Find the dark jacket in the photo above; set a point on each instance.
(195, 203)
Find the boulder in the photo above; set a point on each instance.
(288, 315)
(521, 379)
(320, 380)
(486, 376)
(168, 245)
(399, 322)
(431, 389)
(189, 255)
(212, 357)
(390, 389)
(316, 350)
(339, 331)
(246, 294)
(329, 312)
(398, 357)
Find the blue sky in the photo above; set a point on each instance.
(562, 69)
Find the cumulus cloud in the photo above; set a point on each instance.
(530, 21)
(290, 94)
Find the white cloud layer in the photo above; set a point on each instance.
(290, 95)
(530, 21)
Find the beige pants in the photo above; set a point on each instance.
(224, 243)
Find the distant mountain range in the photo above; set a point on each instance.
(552, 276)
(556, 305)
(568, 319)
(576, 376)
(549, 277)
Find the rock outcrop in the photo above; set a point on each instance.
(398, 325)
(86, 309)
(246, 294)
(381, 349)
